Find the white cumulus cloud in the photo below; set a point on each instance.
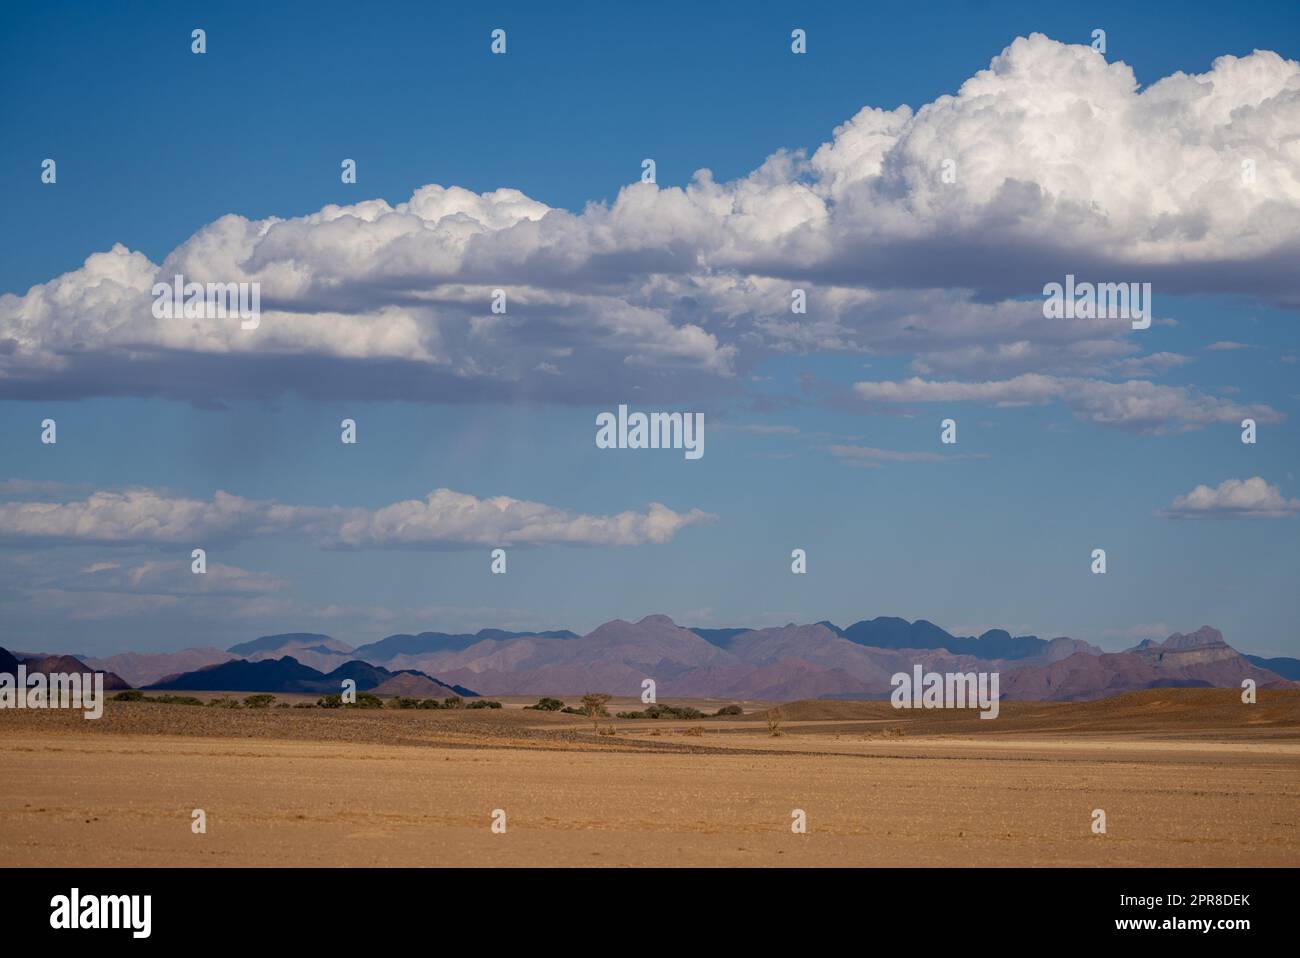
(1062, 164)
(1135, 404)
(1234, 499)
(444, 519)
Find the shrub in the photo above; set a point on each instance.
(402, 702)
(301, 705)
(261, 700)
(430, 704)
(730, 710)
(225, 703)
(365, 700)
(774, 724)
(658, 711)
(453, 702)
(548, 704)
(483, 704)
(135, 695)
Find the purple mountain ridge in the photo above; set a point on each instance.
(783, 663)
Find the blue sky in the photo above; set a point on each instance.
(154, 143)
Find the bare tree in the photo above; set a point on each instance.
(774, 722)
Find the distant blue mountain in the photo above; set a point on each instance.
(286, 674)
(887, 632)
(1285, 667)
(239, 675)
(427, 642)
(275, 641)
(719, 637)
(502, 634)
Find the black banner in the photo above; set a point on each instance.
(926, 907)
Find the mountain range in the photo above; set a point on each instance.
(287, 674)
(820, 660)
(46, 664)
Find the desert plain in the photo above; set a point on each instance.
(1186, 777)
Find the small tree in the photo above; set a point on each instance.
(593, 706)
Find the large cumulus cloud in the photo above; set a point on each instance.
(1061, 164)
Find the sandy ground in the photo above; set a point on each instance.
(309, 787)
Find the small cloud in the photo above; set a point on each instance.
(1227, 345)
(1135, 404)
(1233, 499)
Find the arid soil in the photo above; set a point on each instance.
(1185, 777)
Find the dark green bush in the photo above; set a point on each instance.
(135, 695)
(547, 704)
(483, 704)
(365, 700)
(658, 711)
